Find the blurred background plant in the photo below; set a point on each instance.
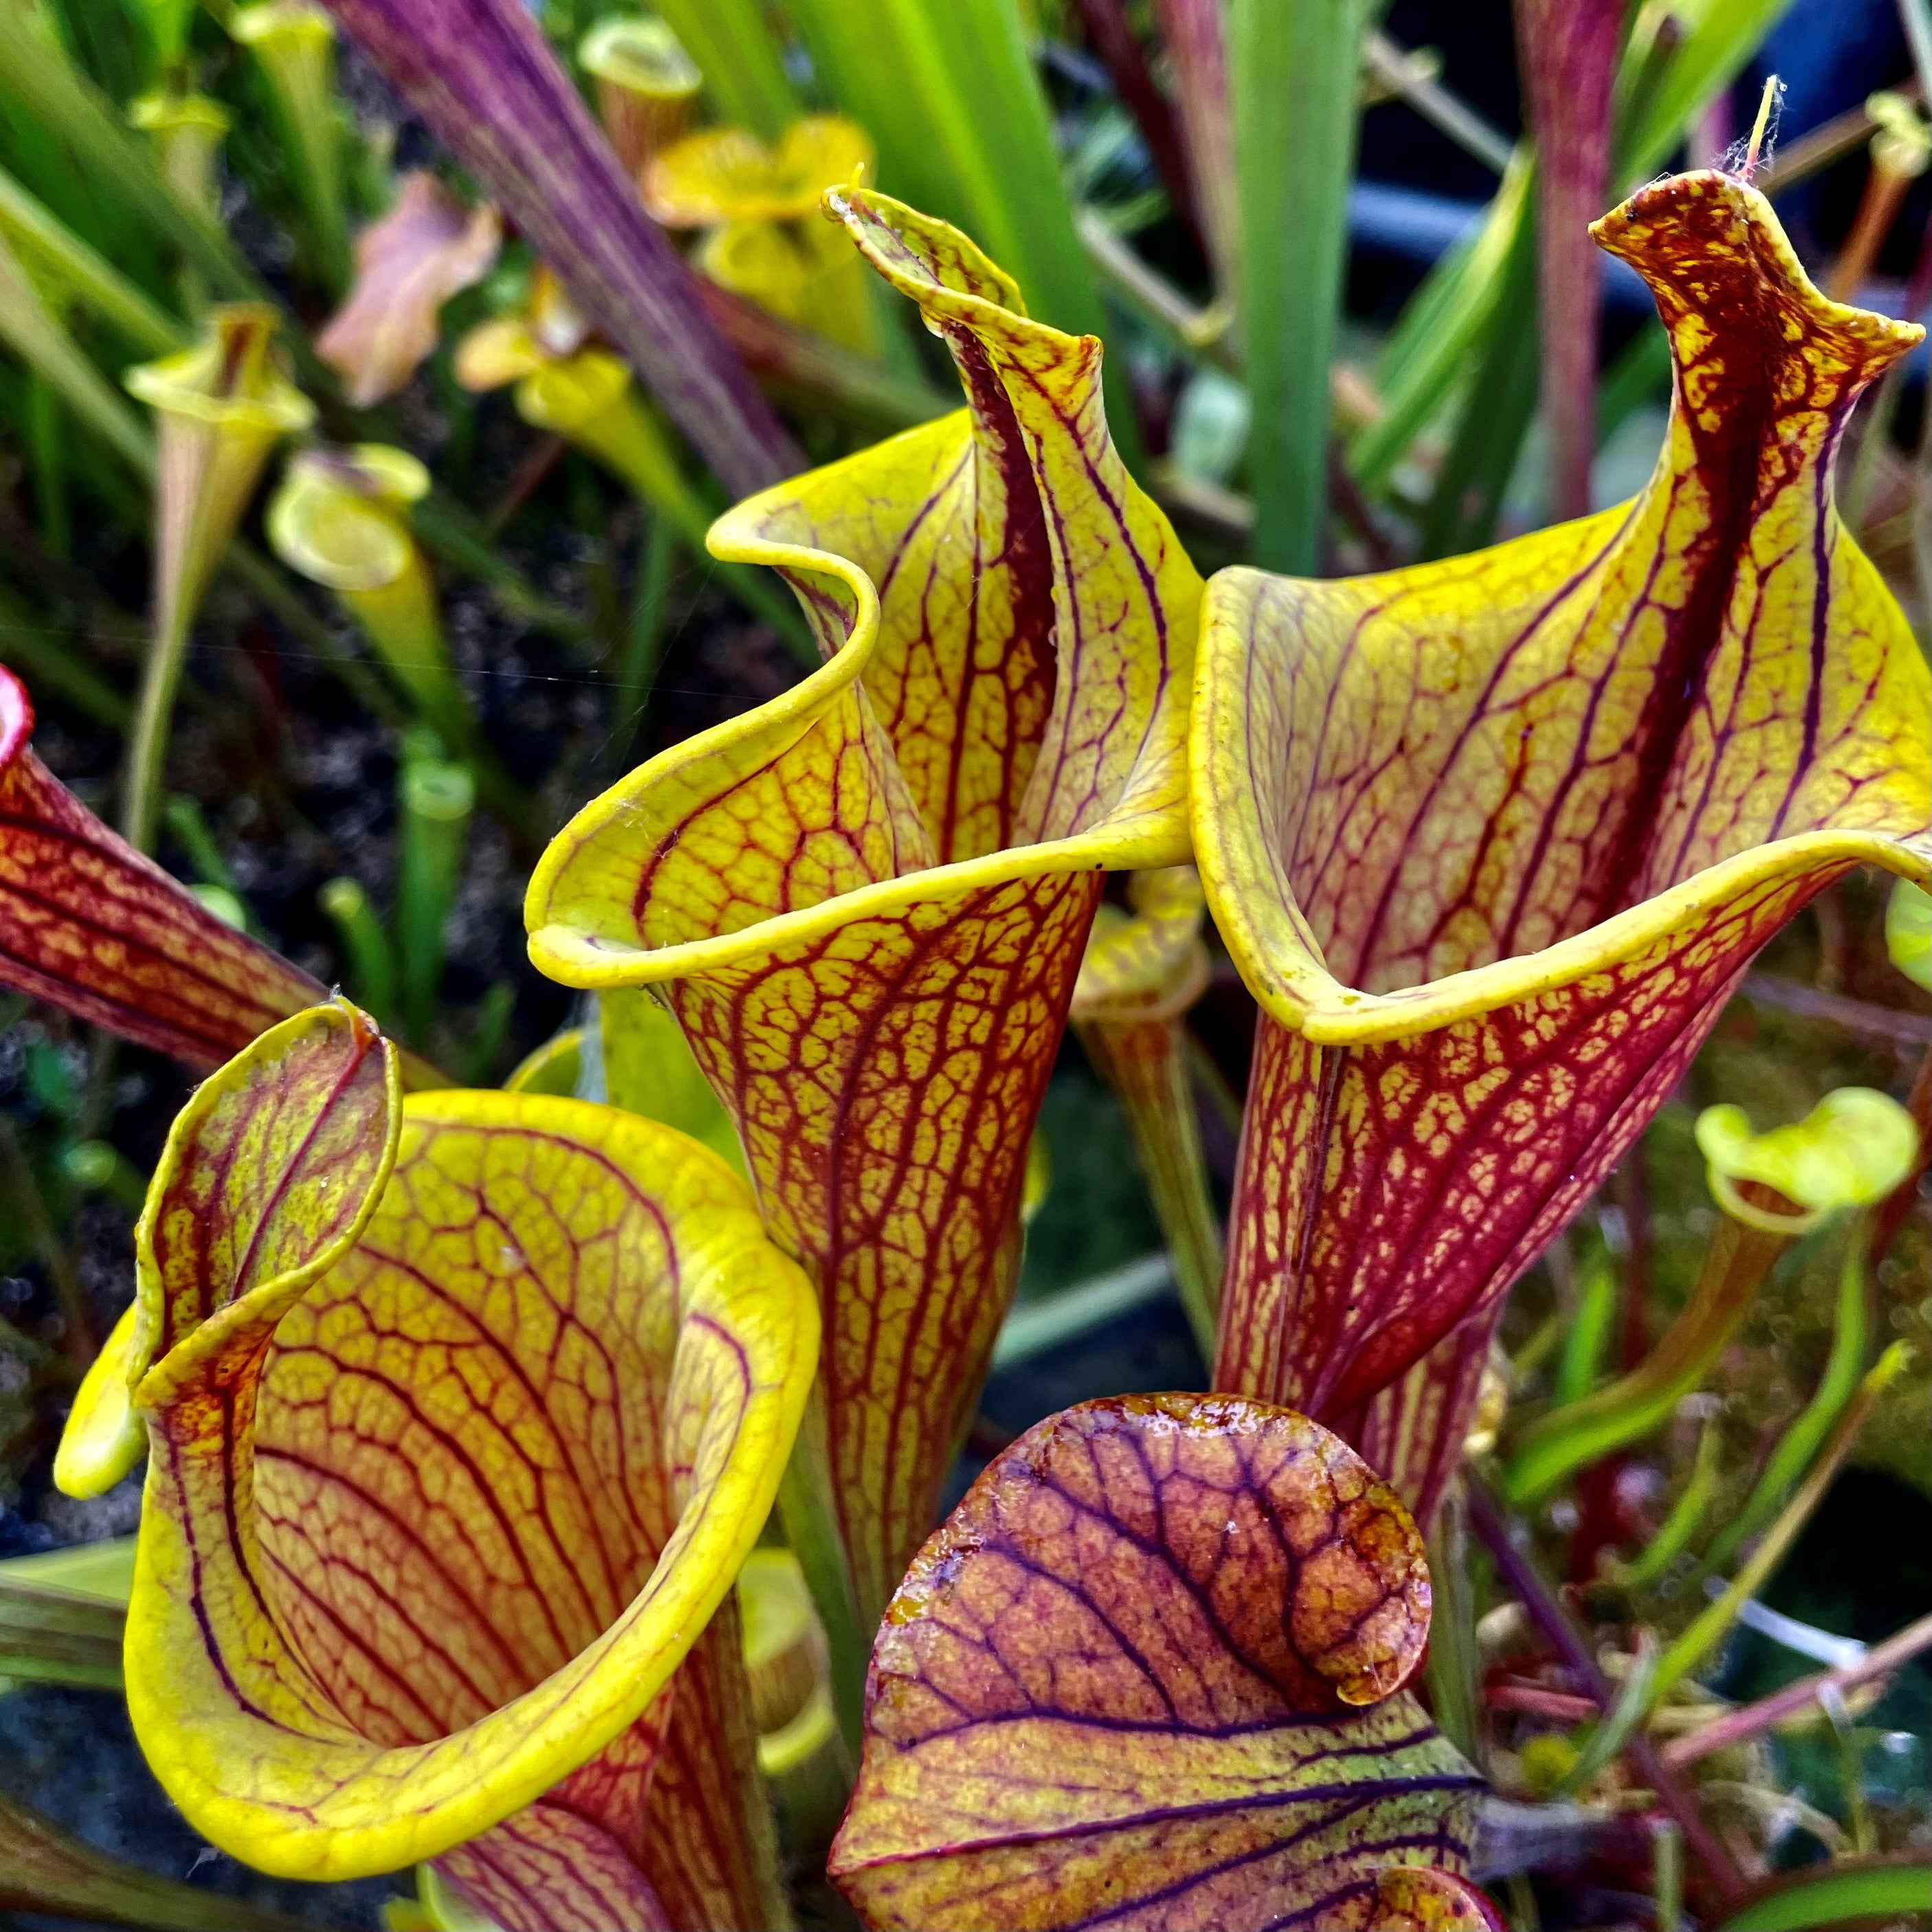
(343, 626)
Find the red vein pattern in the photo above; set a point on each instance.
(313, 1107)
(1148, 1674)
(429, 1550)
(889, 1139)
(1492, 840)
(92, 926)
(868, 900)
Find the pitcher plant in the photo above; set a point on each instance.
(867, 900)
(1492, 840)
(462, 1416)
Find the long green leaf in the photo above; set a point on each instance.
(1496, 412)
(1835, 1894)
(1455, 318)
(48, 1871)
(37, 336)
(1800, 1444)
(1589, 1333)
(49, 1636)
(738, 59)
(947, 90)
(948, 94)
(1695, 1642)
(1294, 69)
(71, 109)
(102, 1572)
(1685, 1519)
(1564, 1440)
(95, 282)
(1717, 37)
(1442, 325)
(46, 168)
(1614, 1730)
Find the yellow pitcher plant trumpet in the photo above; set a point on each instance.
(646, 84)
(463, 1413)
(293, 42)
(341, 518)
(1492, 839)
(568, 385)
(220, 408)
(759, 206)
(867, 900)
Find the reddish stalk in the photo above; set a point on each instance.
(1191, 32)
(1884, 194)
(1887, 1024)
(1120, 52)
(1568, 53)
(529, 477)
(1524, 1580)
(1735, 1727)
(1531, 1700)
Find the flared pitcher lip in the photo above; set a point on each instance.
(1137, 834)
(725, 1267)
(1311, 1002)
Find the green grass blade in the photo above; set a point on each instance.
(1459, 311)
(38, 336)
(1293, 76)
(1694, 1644)
(1836, 1894)
(1496, 412)
(1613, 1730)
(32, 226)
(1587, 1342)
(1641, 374)
(1799, 1444)
(738, 59)
(1654, 108)
(71, 109)
(1562, 1441)
(1442, 326)
(947, 90)
(1685, 1519)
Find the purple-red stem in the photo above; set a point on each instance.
(1568, 49)
(1119, 53)
(1191, 30)
(1751, 1720)
(481, 74)
(1526, 1582)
